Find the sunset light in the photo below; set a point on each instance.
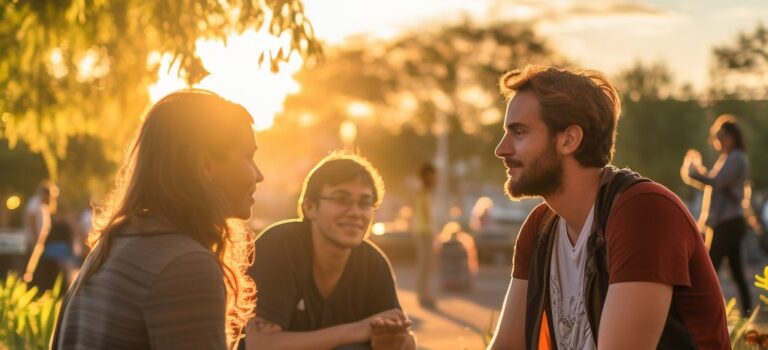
(235, 73)
(384, 193)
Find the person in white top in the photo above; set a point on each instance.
(37, 223)
(38, 211)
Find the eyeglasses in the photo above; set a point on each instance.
(347, 202)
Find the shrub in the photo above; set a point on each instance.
(27, 316)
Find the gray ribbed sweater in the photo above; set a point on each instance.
(156, 291)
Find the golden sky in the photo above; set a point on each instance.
(603, 35)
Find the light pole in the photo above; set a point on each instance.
(441, 131)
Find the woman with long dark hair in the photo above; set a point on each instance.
(171, 247)
(724, 193)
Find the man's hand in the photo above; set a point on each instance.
(391, 333)
(361, 330)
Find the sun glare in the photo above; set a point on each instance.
(235, 74)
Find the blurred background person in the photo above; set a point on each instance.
(84, 226)
(37, 223)
(422, 230)
(480, 216)
(724, 195)
(38, 211)
(458, 258)
(58, 258)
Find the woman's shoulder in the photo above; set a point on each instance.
(172, 241)
(155, 251)
(738, 155)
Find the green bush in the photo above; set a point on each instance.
(27, 318)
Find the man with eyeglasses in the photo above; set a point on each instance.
(321, 283)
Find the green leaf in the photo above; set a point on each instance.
(26, 298)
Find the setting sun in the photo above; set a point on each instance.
(235, 73)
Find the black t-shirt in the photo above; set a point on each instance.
(287, 294)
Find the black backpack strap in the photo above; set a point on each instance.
(537, 295)
(596, 287)
(617, 182)
(675, 334)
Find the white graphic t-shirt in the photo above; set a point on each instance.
(566, 285)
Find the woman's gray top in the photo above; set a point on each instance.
(727, 178)
(154, 291)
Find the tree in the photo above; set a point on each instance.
(644, 81)
(740, 68)
(655, 134)
(740, 72)
(659, 123)
(654, 109)
(406, 82)
(455, 70)
(70, 68)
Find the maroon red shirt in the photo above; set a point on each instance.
(651, 237)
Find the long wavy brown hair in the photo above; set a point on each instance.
(162, 177)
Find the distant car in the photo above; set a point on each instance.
(12, 250)
(496, 238)
(395, 239)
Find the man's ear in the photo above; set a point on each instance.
(569, 140)
(309, 207)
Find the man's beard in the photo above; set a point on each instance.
(543, 177)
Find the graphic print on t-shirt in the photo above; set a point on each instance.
(570, 329)
(566, 285)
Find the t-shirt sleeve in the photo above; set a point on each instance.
(386, 293)
(186, 307)
(650, 238)
(272, 271)
(526, 242)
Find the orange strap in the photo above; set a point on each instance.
(544, 342)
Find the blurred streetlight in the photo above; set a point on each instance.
(307, 119)
(359, 110)
(13, 202)
(378, 229)
(348, 134)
